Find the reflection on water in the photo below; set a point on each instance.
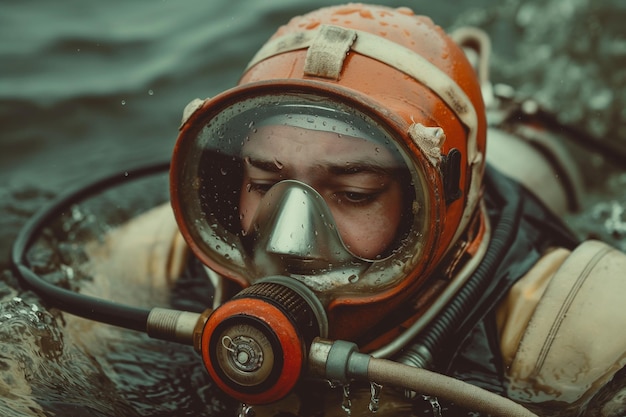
(72, 368)
(43, 369)
(59, 363)
(90, 90)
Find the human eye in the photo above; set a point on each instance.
(357, 198)
(260, 186)
(258, 178)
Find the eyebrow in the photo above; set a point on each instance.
(349, 168)
(359, 167)
(264, 164)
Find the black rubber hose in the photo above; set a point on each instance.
(420, 353)
(89, 307)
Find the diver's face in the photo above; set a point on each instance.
(354, 176)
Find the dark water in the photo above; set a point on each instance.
(88, 88)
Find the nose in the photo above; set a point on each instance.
(293, 227)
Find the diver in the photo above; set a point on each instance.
(349, 168)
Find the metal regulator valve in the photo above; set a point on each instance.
(254, 346)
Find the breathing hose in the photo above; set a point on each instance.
(471, 397)
(420, 353)
(82, 305)
(340, 361)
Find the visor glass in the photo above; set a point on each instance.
(370, 192)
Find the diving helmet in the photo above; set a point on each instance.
(349, 158)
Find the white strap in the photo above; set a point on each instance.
(328, 50)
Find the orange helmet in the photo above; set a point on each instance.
(382, 85)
